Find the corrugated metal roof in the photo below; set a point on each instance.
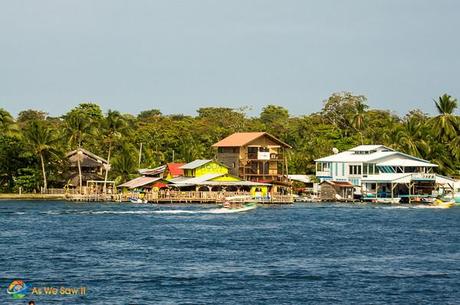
(152, 171)
(196, 180)
(139, 181)
(234, 183)
(175, 169)
(188, 181)
(350, 156)
(388, 177)
(384, 155)
(195, 164)
(242, 138)
(405, 162)
(339, 183)
(300, 178)
(368, 147)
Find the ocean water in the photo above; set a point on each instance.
(199, 254)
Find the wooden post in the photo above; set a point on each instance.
(376, 191)
(410, 198)
(392, 196)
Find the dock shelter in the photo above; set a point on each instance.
(393, 187)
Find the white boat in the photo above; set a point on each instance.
(239, 207)
(137, 200)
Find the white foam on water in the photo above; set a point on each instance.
(427, 207)
(147, 212)
(420, 206)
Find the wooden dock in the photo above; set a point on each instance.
(176, 197)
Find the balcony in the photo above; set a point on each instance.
(323, 173)
(271, 157)
(423, 177)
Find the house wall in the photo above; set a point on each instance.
(210, 168)
(327, 192)
(231, 160)
(237, 159)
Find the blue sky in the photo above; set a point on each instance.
(181, 55)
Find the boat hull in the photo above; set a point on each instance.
(444, 204)
(245, 207)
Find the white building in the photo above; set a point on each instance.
(381, 172)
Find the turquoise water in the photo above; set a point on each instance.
(196, 254)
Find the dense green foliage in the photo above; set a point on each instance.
(33, 146)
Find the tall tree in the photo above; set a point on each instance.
(340, 109)
(446, 123)
(6, 121)
(77, 127)
(125, 162)
(359, 117)
(113, 125)
(410, 139)
(41, 140)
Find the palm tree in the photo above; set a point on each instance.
(113, 125)
(409, 137)
(445, 123)
(125, 163)
(41, 140)
(359, 118)
(77, 127)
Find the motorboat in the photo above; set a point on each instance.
(443, 203)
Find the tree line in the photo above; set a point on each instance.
(33, 145)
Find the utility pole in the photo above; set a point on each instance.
(140, 155)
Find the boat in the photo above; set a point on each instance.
(443, 203)
(239, 203)
(455, 197)
(137, 200)
(239, 207)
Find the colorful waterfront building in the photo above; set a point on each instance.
(154, 177)
(377, 171)
(211, 175)
(255, 156)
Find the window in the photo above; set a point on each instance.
(228, 150)
(323, 166)
(355, 169)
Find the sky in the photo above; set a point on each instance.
(177, 56)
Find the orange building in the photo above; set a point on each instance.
(254, 156)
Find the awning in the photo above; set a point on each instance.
(388, 178)
(300, 178)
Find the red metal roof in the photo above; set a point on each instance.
(175, 170)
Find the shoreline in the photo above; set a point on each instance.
(12, 196)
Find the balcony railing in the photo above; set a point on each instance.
(273, 157)
(323, 173)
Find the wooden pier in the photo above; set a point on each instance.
(177, 197)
